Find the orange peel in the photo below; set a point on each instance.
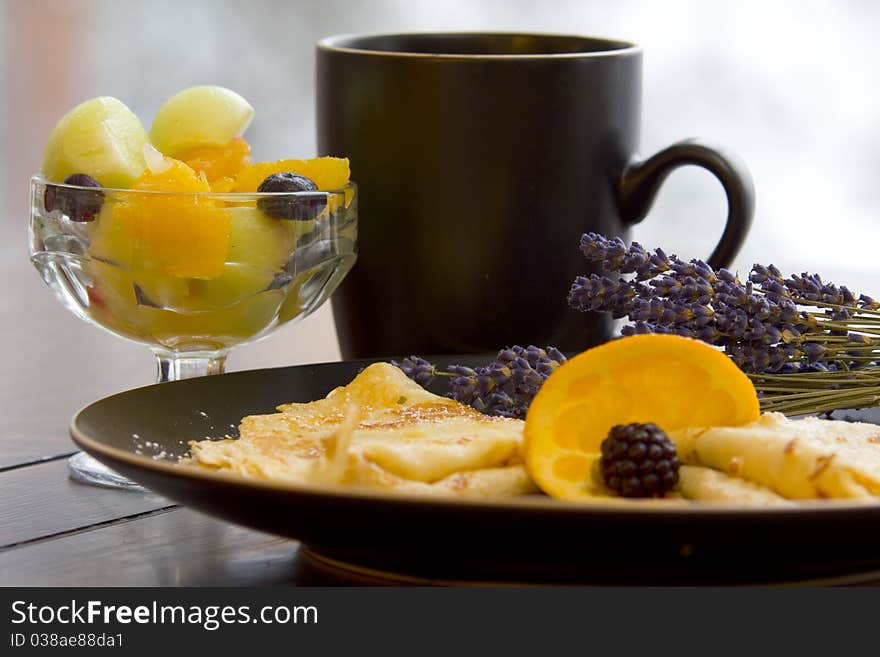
(672, 381)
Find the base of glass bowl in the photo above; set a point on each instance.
(87, 470)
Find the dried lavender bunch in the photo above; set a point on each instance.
(505, 386)
(768, 324)
(418, 369)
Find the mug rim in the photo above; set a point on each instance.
(343, 43)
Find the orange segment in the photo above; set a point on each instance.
(176, 176)
(671, 381)
(179, 234)
(222, 185)
(328, 173)
(219, 163)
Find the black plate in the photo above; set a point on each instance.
(529, 539)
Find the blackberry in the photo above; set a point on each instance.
(291, 207)
(639, 460)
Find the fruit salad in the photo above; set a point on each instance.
(176, 237)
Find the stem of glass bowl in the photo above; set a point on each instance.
(174, 366)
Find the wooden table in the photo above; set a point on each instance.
(54, 531)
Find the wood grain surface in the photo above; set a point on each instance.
(41, 500)
(165, 547)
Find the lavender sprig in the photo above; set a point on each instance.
(768, 324)
(505, 386)
(418, 369)
(808, 345)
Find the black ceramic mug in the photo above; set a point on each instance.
(481, 159)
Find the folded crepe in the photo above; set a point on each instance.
(382, 430)
(707, 485)
(798, 459)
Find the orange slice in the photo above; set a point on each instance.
(671, 381)
(181, 233)
(328, 173)
(219, 163)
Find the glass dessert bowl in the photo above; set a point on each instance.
(189, 274)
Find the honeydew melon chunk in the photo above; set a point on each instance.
(262, 241)
(258, 250)
(226, 326)
(233, 286)
(259, 247)
(199, 116)
(112, 250)
(101, 138)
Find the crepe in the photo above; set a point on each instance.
(707, 485)
(382, 430)
(799, 459)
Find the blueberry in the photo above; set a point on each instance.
(291, 207)
(77, 204)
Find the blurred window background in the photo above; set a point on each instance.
(789, 86)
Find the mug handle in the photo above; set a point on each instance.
(641, 180)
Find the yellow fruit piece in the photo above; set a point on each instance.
(100, 137)
(236, 284)
(199, 116)
(222, 328)
(259, 241)
(178, 234)
(112, 300)
(222, 185)
(671, 381)
(219, 163)
(328, 173)
(172, 176)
